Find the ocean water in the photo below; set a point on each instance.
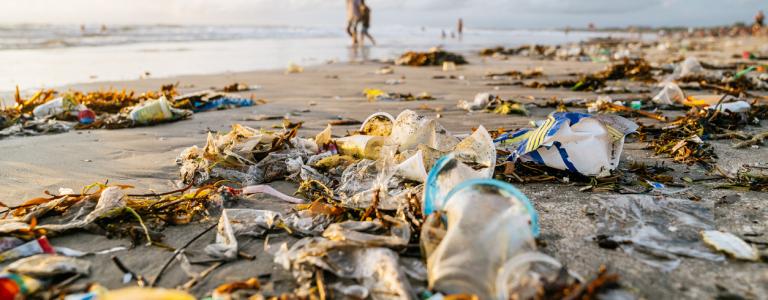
(37, 56)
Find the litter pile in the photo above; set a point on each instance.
(49, 111)
(384, 213)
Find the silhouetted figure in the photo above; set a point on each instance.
(365, 20)
(353, 17)
(460, 27)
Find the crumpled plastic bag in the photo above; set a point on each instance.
(370, 233)
(657, 230)
(377, 269)
(669, 94)
(587, 144)
(690, 66)
(111, 198)
(235, 222)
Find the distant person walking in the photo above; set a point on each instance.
(365, 20)
(353, 17)
(759, 20)
(460, 27)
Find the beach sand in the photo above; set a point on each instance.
(144, 157)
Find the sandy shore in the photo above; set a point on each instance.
(144, 157)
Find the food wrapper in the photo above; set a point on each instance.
(587, 144)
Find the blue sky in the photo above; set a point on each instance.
(479, 13)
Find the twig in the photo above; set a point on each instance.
(192, 282)
(175, 253)
(139, 279)
(756, 139)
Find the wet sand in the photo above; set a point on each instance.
(144, 157)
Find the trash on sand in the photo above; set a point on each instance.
(208, 100)
(234, 222)
(233, 290)
(378, 124)
(670, 94)
(376, 269)
(16, 286)
(385, 70)
(49, 265)
(485, 215)
(657, 230)
(581, 143)
(449, 66)
(732, 107)
(495, 104)
(293, 69)
(265, 189)
(730, 244)
(33, 247)
(361, 146)
(56, 107)
(433, 57)
(156, 111)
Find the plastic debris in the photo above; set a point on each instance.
(503, 224)
(156, 111)
(36, 246)
(130, 293)
(669, 94)
(581, 143)
(49, 265)
(730, 244)
(293, 69)
(657, 230)
(15, 286)
(433, 57)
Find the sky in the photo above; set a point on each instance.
(433, 13)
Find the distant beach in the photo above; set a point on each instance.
(38, 56)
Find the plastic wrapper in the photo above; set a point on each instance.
(111, 198)
(483, 216)
(669, 94)
(690, 66)
(370, 233)
(265, 189)
(657, 230)
(587, 144)
(374, 268)
(49, 265)
(480, 102)
(235, 222)
(33, 247)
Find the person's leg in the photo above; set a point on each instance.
(370, 37)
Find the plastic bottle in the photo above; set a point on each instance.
(489, 222)
(363, 146)
(152, 111)
(54, 107)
